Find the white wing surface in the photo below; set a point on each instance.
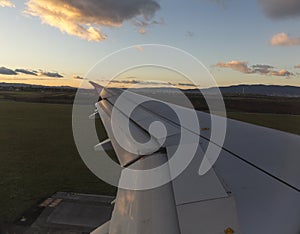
(254, 187)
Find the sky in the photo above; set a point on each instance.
(56, 42)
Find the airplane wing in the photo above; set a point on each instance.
(254, 186)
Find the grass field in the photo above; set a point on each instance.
(287, 123)
(38, 155)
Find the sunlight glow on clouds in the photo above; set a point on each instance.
(261, 69)
(282, 39)
(6, 3)
(235, 65)
(85, 19)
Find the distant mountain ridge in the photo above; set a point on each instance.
(31, 86)
(266, 90)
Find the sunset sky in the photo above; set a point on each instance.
(56, 42)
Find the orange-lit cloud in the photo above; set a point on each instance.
(282, 39)
(282, 72)
(142, 31)
(6, 3)
(235, 65)
(139, 47)
(297, 66)
(85, 19)
(261, 69)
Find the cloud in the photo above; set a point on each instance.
(50, 74)
(142, 24)
(297, 66)
(261, 69)
(186, 84)
(133, 81)
(125, 81)
(281, 73)
(280, 9)
(6, 3)
(85, 19)
(7, 71)
(78, 77)
(142, 31)
(27, 72)
(139, 47)
(235, 65)
(190, 34)
(282, 39)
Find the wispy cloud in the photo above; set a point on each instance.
(27, 72)
(261, 69)
(142, 24)
(30, 72)
(280, 9)
(139, 47)
(85, 19)
(133, 81)
(78, 77)
(6, 3)
(7, 71)
(50, 74)
(282, 39)
(190, 34)
(186, 84)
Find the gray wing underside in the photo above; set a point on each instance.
(252, 188)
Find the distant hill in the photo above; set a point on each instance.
(14, 86)
(261, 90)
(265, 90)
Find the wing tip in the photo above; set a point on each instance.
(97, 87)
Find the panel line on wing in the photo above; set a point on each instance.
(255, 166)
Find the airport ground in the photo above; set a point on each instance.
(38, 155)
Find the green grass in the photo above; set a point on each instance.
(38, 157)
(287, 123)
